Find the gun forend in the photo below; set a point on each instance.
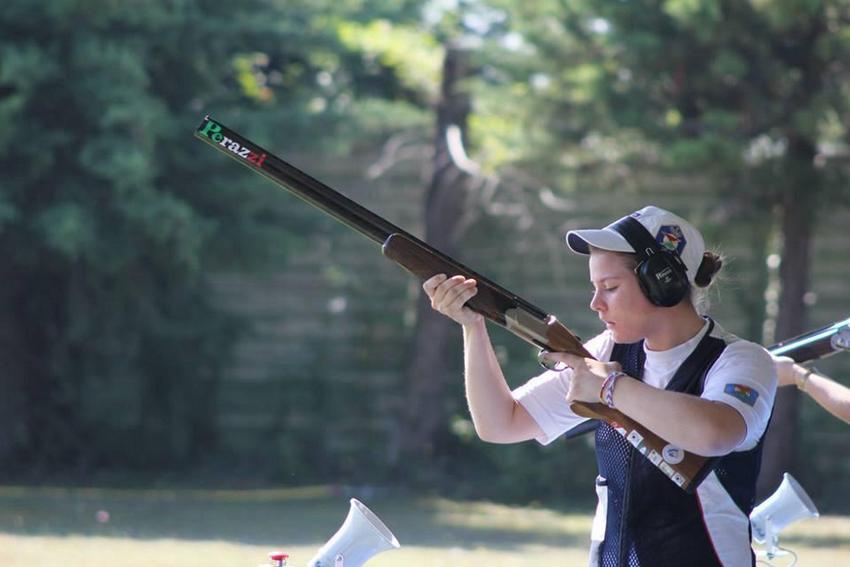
(492, 301)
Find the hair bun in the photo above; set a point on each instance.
(710, 265)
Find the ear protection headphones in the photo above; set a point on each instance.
(661, 273)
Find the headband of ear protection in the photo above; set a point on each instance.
(661, 273)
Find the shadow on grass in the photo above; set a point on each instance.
(274, 517)
(830, 541)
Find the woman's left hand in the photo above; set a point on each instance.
(786, 370)
(586, 375)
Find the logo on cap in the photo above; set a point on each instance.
(671, 237)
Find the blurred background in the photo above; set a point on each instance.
(170, 319)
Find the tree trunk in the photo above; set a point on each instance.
(14, 418)
(424, 415)
(797, 212)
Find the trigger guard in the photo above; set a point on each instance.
(548, 364)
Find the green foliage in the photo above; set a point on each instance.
(699, 79)
(413, 55)
(112, 217)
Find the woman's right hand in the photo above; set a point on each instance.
(448, 295)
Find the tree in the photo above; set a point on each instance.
(445, 205)
(111, 217)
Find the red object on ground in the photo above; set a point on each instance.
(279, 556)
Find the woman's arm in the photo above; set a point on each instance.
(497, 417)
(832, 396)
(704, 427)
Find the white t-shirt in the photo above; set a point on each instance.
(743, 377)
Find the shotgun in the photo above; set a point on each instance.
(819, 343)
(495, 303)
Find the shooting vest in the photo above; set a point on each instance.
(650, 521)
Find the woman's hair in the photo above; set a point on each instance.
(708, 268)
(710, 265)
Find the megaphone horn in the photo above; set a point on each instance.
(788, 504)
(361, 536)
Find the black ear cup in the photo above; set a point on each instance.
(661, 274)
(663, 279)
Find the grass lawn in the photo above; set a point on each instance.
(153, 528)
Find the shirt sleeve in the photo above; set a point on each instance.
(544, 396)
(744, 377)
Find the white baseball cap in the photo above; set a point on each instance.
(670, 231)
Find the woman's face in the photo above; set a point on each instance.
(617, 297)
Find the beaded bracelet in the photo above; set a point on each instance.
(606, 393)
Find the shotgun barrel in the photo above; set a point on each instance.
(819, 343)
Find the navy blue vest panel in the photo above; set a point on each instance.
(651, 522)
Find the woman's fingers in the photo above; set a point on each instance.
(459, 293)
(430, 285)
(446, 294)
(566, 360)
(449, 295)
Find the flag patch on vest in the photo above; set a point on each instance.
(743, 393)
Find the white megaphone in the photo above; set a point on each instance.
(787, 505)
(361, 536)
